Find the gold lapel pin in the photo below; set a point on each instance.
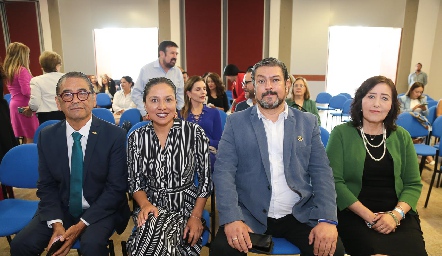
(94, 132)
(300, 138)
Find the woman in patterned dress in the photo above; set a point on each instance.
(163, 159)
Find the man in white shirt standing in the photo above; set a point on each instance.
(164, 66)
(418, 76)
(272, 174)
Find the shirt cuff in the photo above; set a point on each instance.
(85, 222)
(54, 221)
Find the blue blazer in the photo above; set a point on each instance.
(405, 102)
(104, 173)
(242, 170)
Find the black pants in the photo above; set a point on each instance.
(36, 235)
(54, 115)
(287, 227)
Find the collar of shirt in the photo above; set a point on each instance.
(249, 102)
(157, 65)
(84, 131)
(283, 113)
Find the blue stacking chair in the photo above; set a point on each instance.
(437, 132)
(223, 116)
(337, 103)
(346, 107)
(431, 103)
(323, 98)
(409, 123)
(283, 247)
(19, 168)
(104, 114)
(347, 95)
(132, 115)
(103, 100)
(136, 126)
(325, 135)
(428, 97)
(7, 97)
(229, 96)
(41, 126)
(431, 114)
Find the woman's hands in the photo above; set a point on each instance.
(144, 213)
(193, 230)
(384, 223)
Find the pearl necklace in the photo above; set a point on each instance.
(366, 141)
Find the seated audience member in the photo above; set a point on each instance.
(415, 103)
(376, 176)
(299, 97)
(95, 84)
(249, 92)
(123, 98)
(18, 76)
(43, 88)
(185, 76)
(194, 111)
(82, 193)
(161, 179)
(216, 94)
(272, 174)
(234, 79)
(108, 85)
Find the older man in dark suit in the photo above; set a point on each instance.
(82, 177)
(272, 174)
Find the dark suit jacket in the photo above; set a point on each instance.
(242, 170)
(104, 173)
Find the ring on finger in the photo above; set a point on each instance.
(234, 238)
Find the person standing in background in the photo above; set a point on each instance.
(164, 66)
(418, 76)
(18, 77)
(43, 88)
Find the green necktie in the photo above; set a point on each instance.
(76, 181)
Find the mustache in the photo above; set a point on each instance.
(269, 93)
(173, 59)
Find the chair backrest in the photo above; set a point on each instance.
(347, 106)
(431, 103)
(437, 127)
(43, 125)
(337, 102)
(325, 135)
(412, 125)
(431, 114)
(19, 167)
(7, 97)
(136, 126)
(323, 98)
(132, 115)
(428, 97)
(347, 95)
(223, 116)
(104, 114)
(103, 100)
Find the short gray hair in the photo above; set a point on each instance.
(74, 74)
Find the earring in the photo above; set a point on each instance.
(147, 117)
(176, 115)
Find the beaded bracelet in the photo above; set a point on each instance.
(401, 212)
(394, 217)
(328, 221)
(193, 216)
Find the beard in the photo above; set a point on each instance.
(266, 105)
(170, 64)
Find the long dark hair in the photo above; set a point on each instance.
(367, 85)
(219, 84)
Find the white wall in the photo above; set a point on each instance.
(44, 16)
(434, 87)
(275, 8)
(79, 18)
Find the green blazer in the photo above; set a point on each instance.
(309, 106)
(347, 153)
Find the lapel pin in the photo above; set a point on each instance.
(94, 132)
(300, 138)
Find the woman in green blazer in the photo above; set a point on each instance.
(299, 97)
(376, 176)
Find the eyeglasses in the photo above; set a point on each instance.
(69, 96)
(244, 83)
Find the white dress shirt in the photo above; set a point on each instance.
(43, 92)
(122, 101)
(153, 70)
(84, 131)
(283, 198)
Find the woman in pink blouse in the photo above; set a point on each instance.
(16, 65)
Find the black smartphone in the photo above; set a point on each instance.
(55, 247)
(20, 110)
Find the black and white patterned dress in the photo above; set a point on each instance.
(167, 175)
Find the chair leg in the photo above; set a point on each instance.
(123, 248)
(422, 164)
(110, 243)
(9, 239)
(432, 181)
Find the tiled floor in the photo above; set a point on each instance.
(431, 218)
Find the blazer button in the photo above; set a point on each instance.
(264, 211)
